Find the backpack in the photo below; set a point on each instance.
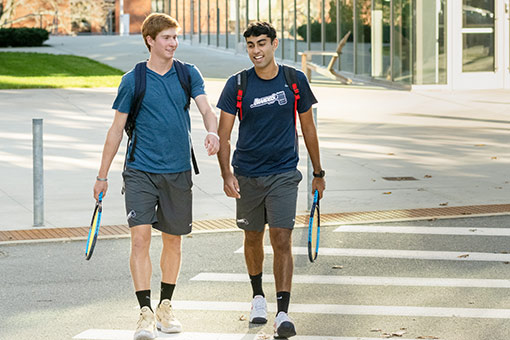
(290, 78)
(140, 86)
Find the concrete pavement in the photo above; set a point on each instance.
(455, 144)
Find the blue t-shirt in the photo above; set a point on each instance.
(267, 142)
(162, 127)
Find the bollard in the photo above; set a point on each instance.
(37, 152)
(310, 169)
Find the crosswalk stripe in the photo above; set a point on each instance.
(110, 334)
(445, 312)
(399, 254)
(364, 280)
(424, 230)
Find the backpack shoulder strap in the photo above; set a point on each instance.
(136, 103)
(185, 79)
(291, 80)
(241, 83)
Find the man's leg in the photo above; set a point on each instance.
(283, 262)
(254, 257)
(170, 265)
(170, 258)
(283, 267)
(254, 251)
(141, 270)
(140, 262)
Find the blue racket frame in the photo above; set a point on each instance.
(311, 256)
(93, 232)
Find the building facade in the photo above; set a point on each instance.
(454, 44)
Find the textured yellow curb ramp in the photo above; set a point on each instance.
(41, 234)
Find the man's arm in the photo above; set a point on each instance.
(312, 144)
(111, 146)
(230, 184)
(211, 143)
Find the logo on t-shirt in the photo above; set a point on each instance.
(268, 100)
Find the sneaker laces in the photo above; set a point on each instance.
(167, 311)
(145, 321)
(259, 304)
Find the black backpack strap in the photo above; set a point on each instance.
(140, 86)
(136, 103)
(240, 91)
(291, 80)
(185, 79)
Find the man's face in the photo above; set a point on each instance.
(165, 44)
(261, 50)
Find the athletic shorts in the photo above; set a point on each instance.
(161, 200)
(268, 199)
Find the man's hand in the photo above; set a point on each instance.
(231, 186)
(100, 186)
(212, 144)
(318, 184)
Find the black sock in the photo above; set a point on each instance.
(283, 299)
(144, 298)
(167, 290)
(256, 284)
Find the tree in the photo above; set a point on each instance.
(49, 14)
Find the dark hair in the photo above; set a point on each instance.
(258, 28)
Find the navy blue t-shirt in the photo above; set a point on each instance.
(267, 142)
(162, 126)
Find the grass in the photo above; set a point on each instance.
(40, 70)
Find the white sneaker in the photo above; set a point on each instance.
(283, 326)
(146, 326)
(165, 318)
(258, 313)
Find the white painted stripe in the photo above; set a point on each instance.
(445, 312)
(364, 280)
(399, 254)
(110, 334)
(424, 230)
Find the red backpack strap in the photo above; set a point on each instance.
(240, 91)
(291, 80)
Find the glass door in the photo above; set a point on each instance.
(478, 44)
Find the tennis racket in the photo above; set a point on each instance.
(314, 228)
(94, 228)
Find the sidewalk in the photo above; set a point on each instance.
(455, 144)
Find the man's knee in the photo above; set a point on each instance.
(281, 240)
(171, 243)
(140, 239)
(253, 239)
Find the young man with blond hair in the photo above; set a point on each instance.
(265, 177)
(158, 180)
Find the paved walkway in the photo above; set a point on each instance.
(455, 144)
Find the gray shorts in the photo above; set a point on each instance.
(268, 199)
(161, 200)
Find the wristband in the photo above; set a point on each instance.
(101, 179)
(214, 134)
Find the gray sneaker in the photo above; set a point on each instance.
(283, 326)
(165, 318)
(146, 326)
(258, 313)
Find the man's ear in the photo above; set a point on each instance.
(150, 41)
(276, 42)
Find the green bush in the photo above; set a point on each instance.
(365, 31)
(23, 36)
(316, 31)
